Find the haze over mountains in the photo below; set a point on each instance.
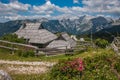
(82, 25)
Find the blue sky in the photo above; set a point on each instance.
(57, 9)
(60, 3)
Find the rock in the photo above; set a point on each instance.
(4, 75)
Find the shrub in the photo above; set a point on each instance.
(19, 53)
(68, 69)
(102, 43)
(25, 53)
(89, 68)
(31, 53)
(117, 67)
(12, 38)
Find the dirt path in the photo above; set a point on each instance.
(19, 67)
(27, 63)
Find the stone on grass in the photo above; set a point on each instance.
(4, 75)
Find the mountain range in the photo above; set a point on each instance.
(79, 26)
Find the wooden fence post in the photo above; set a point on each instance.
(66, 50)
(12, 49)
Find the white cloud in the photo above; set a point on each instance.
(19, 6)
(79, 9)
(13, 0)
(76, 1)
(20, 17)
(12, 8)
(46, 8)
(49, 10)
(98, 7)
(63, 9)
(102, 6)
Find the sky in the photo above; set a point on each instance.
(57, 9)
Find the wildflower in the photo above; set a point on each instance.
(80, 68)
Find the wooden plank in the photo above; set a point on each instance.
(19, 44)
(8, 48)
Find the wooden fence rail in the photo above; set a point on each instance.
(48, 51)
(8, 48)
(15, 45)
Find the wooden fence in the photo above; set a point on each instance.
(47, 51)
(56, 50)
(16, 46)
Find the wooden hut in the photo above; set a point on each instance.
(63, 42)
(42, 38)
(35, 35)
(59, 44)
(27, 29)
(68, 39)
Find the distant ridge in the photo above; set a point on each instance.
(82, 25)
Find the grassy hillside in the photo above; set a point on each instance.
(6, 55)
(99, 64)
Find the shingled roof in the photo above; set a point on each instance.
(67, 38)
(65, 42)
(42, 36)
(59, 44)
(27, 30)
(33, 32)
